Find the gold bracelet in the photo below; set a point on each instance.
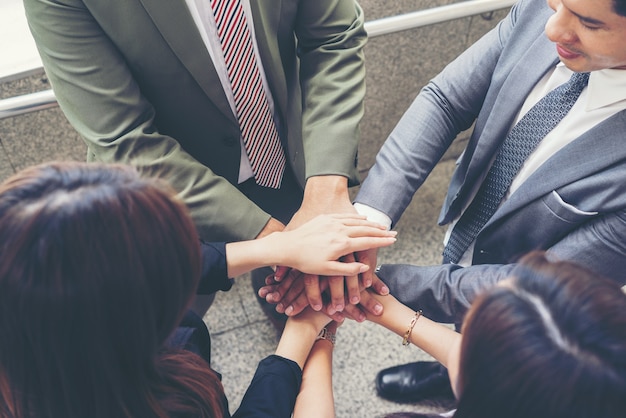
(407, 334)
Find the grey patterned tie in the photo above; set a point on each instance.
(518, 145)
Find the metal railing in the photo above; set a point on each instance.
(433, 16)
(27, 103)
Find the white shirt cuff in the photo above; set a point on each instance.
(373, 215)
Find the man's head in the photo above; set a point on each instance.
(589, 34)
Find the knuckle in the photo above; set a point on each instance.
(310, 280)
(335, 280)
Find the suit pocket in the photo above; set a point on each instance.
(564, 210)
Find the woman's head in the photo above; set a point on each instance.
(548, 342)
(97, 266)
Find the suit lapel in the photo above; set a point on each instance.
(510, 98)
(175, 23)
(600, 147)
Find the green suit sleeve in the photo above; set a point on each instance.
(96, 89)
(330, 38)
(98, 94)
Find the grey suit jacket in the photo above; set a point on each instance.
(136, 81)
(573, 206)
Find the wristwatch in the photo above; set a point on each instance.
(325, 334)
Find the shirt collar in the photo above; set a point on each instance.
(606, 87)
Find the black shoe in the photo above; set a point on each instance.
(414, 382)
(277, 319)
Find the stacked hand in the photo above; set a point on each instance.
(290, 294)
(333, 286)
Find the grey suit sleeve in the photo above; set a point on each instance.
(445, 107)
(445, 292)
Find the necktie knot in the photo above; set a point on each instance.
(579, 80)
(574, 86)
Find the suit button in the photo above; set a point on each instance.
(229, 141)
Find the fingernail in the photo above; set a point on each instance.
(280, 308)
(317, 307)
(331, 310)
(289, 310)
(378, 309)
(354, 300)
(384, 290)
(339, 307)
(368, 283)
(363, 268)
(276, 279)
(361, 317)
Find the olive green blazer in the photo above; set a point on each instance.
(136, 81)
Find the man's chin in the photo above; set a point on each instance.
(577, 66)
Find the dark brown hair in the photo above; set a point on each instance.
(620, 7)
(550, 342)
(97, 267)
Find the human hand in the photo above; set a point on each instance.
(273, 225)
(324, 195)
(370, 302)
(309, 317)
(300, 334)
(295, 299)
(317, 246)
(374, 304)
(291, 298)
(368, 257)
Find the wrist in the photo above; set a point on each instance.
(326, 335)
(297, 341)
(272, 249)
(306, 330)
(272, 225)
(392, 311)
(324, 186)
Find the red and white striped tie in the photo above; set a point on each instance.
(258, 129)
